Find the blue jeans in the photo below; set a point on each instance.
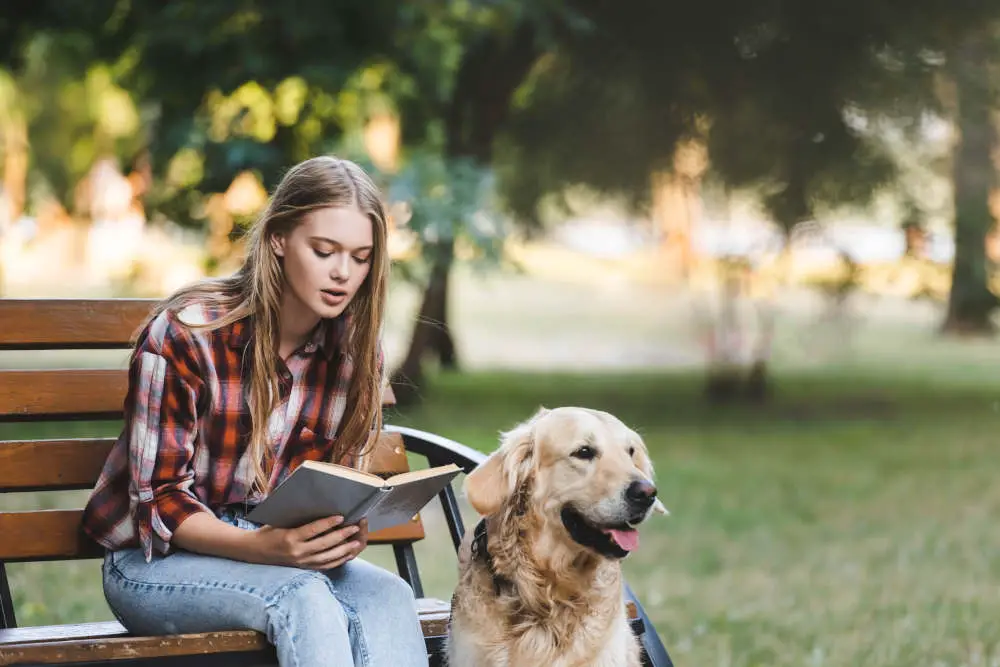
(357, 614)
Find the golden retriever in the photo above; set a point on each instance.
(540, 581)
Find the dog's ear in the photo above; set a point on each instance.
(494, 481)
(485, 487)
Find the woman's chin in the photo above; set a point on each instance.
(325, 310)
(328, 312)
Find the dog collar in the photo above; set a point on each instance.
(481, 552)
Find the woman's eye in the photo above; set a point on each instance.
(361, 260)
(586, 453)
(321, 255)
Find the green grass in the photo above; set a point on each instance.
(849, 521)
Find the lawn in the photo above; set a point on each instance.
(847, 522)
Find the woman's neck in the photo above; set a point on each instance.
(295, 323)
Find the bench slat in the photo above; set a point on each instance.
(388, 457)
(61, 465)
(55, 535)
(35, 324)
(55, 633)
(432, 612)
(52, 465)
(62, 644)
(121, 648)
(44, 535)
(62, 394)
(72, 393)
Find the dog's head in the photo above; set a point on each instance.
(585, 473)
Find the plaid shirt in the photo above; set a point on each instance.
(183, 448)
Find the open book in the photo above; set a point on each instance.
(316, 490)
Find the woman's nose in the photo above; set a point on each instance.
(341, 267)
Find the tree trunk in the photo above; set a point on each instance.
(440, 343)
(443, 341)
(492, 68)
(971, 303)
(430, 332)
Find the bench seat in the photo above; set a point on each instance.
(109, 641)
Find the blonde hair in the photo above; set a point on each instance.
(255, 290)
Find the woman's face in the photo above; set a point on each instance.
(326, 259)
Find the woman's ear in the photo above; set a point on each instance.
(277, 241)
(492, 484)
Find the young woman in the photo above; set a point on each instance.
(233, 383)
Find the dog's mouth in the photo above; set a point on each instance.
(616, 541)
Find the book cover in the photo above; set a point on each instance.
(316, 490)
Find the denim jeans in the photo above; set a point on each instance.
(357, 614)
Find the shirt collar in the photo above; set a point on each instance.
(328, 336)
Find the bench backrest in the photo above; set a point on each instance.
(73, 394)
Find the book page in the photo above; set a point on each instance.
(414, 475)
(402, 503)
(343, 471)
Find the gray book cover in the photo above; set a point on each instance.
(317, 490)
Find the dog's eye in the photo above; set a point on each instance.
(631, 451)
(585, 452)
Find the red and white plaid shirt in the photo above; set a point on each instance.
(183, 448)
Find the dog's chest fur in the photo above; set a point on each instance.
(520, 617)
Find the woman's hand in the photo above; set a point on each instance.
(361, 537)
(320, 545)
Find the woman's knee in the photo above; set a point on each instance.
(389, 588)
(304, 604)
(392, 601)
(388, 614)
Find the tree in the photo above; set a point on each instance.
(779, 95)
(495, 52)
(549, 94)
(972, 68)
(255, 87)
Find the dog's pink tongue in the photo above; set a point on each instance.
(626, 539)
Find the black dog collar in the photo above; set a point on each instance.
(481, 552)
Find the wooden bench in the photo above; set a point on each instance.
(65, 395)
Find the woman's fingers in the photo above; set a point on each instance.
(323, 543)
(334, 557)
(337, 563)
(317, 527)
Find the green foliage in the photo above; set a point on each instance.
(770, 87)
(451, 203)
(596, 93)
(76, 112)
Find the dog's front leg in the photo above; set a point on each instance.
(621, 651)
(465, 651)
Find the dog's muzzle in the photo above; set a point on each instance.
(640, 496)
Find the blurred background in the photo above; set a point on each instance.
(763, 233)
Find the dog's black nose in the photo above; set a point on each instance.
(640, 494)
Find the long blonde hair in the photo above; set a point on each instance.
(255, 290)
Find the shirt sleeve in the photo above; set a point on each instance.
(162, 423)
